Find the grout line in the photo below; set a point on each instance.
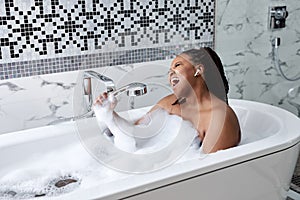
(294, 195)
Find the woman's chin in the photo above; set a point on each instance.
(177, 91)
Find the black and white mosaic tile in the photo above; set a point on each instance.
(44, 29)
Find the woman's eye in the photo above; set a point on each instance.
(177, 64)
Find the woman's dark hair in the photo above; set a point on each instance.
(214, 74)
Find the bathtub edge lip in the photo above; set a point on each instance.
(206, 170)
(287, 139)
(209, 172)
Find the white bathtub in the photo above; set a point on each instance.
(261, 167)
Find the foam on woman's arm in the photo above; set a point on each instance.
(118, 126)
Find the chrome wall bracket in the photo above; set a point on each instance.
(277, 17)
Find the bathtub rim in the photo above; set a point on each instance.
(225, 157)
(283, 145)
(67, 128)
(60, 129)
(125, 190)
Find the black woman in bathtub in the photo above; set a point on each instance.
(199, 97)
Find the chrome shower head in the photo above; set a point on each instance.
(136, 89)
(132, 89)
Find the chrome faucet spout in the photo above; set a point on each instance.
(109, 83)
(87, 85)
(132, 89)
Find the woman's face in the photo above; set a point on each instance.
(181, 75)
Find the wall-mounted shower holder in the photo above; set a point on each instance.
(277, 16)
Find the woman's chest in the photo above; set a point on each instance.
(200, 120)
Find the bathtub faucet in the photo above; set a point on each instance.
(132, 89)
(87, 85)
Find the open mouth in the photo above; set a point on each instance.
(174, 81)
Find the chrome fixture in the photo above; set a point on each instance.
(275, 54)
(132, 89)
(277, 16)
(294, 92)
(87, 85)
(293, 98)
(275, 42)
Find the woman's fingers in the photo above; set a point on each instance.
(104, 95)
(100, 99)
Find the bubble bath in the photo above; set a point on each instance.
(54, 162)
(39, 177)
(156, 130)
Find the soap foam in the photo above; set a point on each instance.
(19, 188)
(37, 179)
(157, 143)
(157, 130)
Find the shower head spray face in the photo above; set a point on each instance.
(132, 89)
(138, 89)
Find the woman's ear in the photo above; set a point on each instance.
(199, 70)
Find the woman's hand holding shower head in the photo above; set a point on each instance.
(104, 110)
(104, 106)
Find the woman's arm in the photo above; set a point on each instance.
(120, 127)
(163, 103)
(104, 111)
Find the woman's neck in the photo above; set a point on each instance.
(200, 98)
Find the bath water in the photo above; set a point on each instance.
(70, 167)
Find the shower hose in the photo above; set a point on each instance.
(275, 45)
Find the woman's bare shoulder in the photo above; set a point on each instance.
(165, 102)
(231, 114)
(231, 119)
(232, 126)
(225, 132)
(167, 99)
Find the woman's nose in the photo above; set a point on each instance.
(171, 72)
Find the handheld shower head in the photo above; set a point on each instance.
(137, 89)
(132, 89)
